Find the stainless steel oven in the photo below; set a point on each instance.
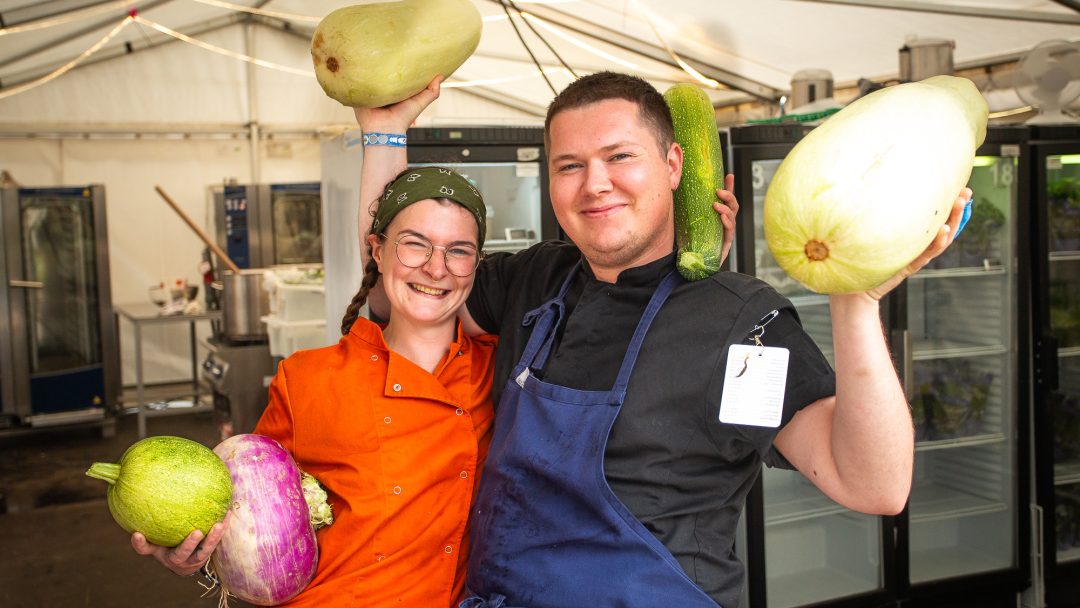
(59, 361)
(264, 225)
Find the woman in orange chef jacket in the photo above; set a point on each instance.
(395, 421)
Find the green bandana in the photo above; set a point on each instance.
(423, 183)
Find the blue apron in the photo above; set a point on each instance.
(547, 529)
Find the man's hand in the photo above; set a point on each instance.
(727, 207)
(944, 238)
(190, 555)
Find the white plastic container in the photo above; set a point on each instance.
(287, 337)
(296, 294)
(298, 302)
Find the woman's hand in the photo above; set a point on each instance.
(190, 555)
(944, 238)
(396, 118)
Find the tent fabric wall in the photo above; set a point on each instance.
(122, 123)
(148, 242)
(760, 44)
(160, 85)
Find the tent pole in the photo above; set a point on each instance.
(253, 109)
(94, 27)
(1073, 4)
(947, 9)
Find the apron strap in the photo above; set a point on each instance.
(655, 303)
(550, 315)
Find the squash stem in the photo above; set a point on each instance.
(106, 471)
(695, 266)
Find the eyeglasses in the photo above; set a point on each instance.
(414, 251)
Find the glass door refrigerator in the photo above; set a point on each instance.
(508, 165)
(962, 345)
(957, 340)
(1055, 198)
(801, 548)
(59, 363)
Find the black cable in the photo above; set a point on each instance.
(527, 49)
(544, 40)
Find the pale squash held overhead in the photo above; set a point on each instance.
(372, 55)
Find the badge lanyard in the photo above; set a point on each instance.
(754, 380)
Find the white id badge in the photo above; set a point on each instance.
(754, 384)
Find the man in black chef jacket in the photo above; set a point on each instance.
(635, 408)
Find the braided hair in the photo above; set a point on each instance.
(371, 276)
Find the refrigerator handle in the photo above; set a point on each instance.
(1037, 592)
(1046, 370)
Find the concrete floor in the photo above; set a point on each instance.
(59, 545)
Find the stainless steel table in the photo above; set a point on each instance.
(140, 314)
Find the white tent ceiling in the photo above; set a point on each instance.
(751, 48)
(146, 109)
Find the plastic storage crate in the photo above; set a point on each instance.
(287, 337)
(298, 302)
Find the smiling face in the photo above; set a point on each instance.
(611, 185)
(429, 295)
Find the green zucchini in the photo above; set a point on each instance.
(699, 234)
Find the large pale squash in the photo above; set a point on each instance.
(371, 55)
(864, 193)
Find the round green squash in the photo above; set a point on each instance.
(165, 487)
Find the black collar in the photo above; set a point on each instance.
(640, 276)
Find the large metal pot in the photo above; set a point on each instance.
(244, 302)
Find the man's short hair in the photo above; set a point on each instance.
(602, 86)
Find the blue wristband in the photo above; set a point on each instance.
(385, 139)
